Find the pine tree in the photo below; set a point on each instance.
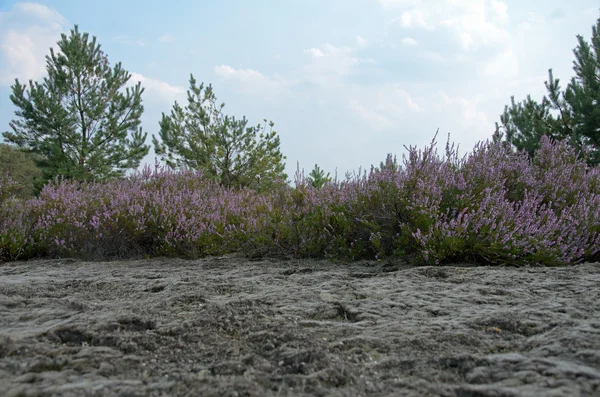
(573, 114)
(317, 177)
(79, 120)
(228, 151)
(583, 93)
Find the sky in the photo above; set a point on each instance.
(345, 81)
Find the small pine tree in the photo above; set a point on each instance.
(317, 177)
(201, 137)
(78, 119)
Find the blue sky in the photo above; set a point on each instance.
(344, 81)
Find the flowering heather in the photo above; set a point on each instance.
(158, 212)
(491, 206)
(8, 187)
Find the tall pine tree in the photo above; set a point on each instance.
(79, 119)
(573, 114)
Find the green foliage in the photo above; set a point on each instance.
(572, 114)
(583, 92)
(201, 137)
(524, 123)
(317, 177)
(22, 170)
(78, 119)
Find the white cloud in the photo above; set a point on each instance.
(380, 107)
(414, 19)
(23, 56)
(369, 116)
(504, 64)
(166, 38)
(472, 23)
(330, 63)
(473, 28)
(241, 74)
(470, 117)
(252, 82)
(409, 42)
(499, 8)
(24, 45)
(397, 3)
(405, 97)
(433, 56)
(314, 52)
(41, 12)
(158, 88)
(361, 42)
(124, 39)
(387, 110)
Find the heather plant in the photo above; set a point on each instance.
(491, 206)
(370, 216)
(494, 166)
(15, 237)
(560, 175)
(160, 212)
(8, 187)
(515, 212)
(294, 221)
(500, 231)
(13, 230)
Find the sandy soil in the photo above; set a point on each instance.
(232, 327)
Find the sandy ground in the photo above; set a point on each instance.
(232, 327)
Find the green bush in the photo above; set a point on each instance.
(21, 169)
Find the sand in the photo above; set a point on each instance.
(233, 327)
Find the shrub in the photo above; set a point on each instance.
(492, 205)
(20, 168)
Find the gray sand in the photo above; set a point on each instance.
(232, 327)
